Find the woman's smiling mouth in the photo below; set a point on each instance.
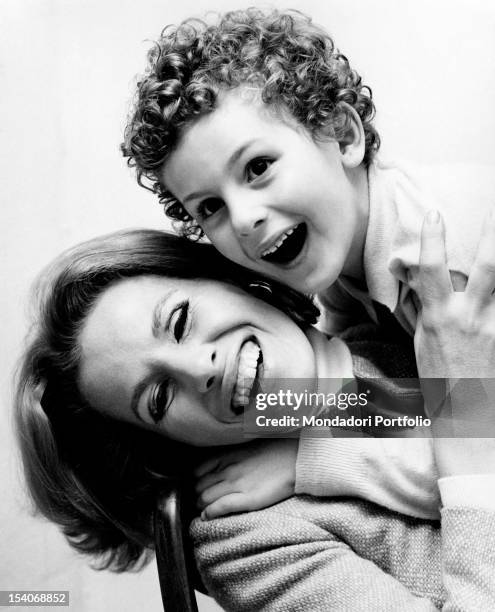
(288, 246)
(250, 360)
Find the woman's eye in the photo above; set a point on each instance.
(209, 207)
(178, 320)
(256, 167)
(160, 402)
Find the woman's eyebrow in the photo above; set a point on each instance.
(158, 310)
(136, 394)
(156, 327)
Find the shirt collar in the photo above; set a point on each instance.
(382, 220)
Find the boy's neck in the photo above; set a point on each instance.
(333, 359)
(354, 267)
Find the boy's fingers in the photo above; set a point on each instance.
(207, 466)
(481, 281)
(216, 491)
(234, 502)
(208, 480)
(435, 284)
(220, 462)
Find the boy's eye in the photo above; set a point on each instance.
(256, 167)
(178, 320)
(160, 401)
(209, 207)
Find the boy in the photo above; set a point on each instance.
(257, 132)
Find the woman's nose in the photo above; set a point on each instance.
(198, 367)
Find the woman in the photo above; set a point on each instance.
(84, 467)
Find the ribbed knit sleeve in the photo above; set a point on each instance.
(399, 474)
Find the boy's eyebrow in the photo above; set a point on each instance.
(194, 195)
(239, 152)
(230, 162)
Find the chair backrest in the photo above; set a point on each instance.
(176, 568)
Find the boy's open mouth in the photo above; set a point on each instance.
(288, 246)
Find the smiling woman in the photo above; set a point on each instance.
(159, 352)
(118, 335)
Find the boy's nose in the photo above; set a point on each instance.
(246, 230)
(247, 217)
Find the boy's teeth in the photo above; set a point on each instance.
(278, 244)
(288, 247)
(246, 373)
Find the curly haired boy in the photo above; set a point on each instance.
(255, 130)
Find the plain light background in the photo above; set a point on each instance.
(66, 78)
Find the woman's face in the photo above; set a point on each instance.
(181, 356)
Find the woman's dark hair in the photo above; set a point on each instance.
(96, 477)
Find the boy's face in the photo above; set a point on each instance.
(268, 196)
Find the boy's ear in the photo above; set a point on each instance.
(352, 142)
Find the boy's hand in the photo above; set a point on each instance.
(249, 477)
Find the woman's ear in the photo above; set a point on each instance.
(351, 139)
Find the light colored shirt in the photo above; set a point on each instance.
(399, 197)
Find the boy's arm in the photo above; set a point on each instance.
(399, 474)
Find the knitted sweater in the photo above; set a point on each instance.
(314, 555)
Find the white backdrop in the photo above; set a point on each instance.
(66, 77)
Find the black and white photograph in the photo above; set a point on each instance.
(248, 257)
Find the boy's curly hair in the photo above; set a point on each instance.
(291, 61)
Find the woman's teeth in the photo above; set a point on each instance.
(246, 374)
